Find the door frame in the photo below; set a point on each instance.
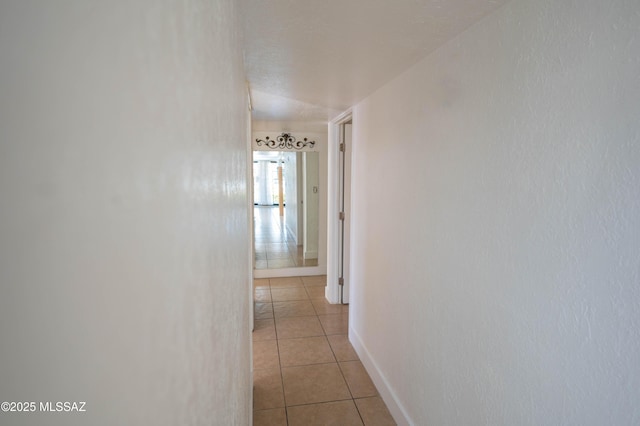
(321, 269)
(332, 291)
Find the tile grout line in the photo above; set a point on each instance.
(353, 401)
(333, 352)
(284, 395)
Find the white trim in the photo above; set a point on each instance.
(343, 117)
(250, 251)
(398, 412)
(332, 291)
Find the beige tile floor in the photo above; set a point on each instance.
(305, 370)
(274, 247)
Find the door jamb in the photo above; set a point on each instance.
(332, 291)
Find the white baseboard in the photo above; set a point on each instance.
(386, 392)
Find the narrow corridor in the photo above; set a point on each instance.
(305, 370)
(274, 246)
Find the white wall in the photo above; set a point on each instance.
(123, 220)
(496, 231)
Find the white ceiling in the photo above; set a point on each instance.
(308, 60)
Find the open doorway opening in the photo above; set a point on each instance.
(339, 208)
(268, 187)
(286, 216)
(301, 248)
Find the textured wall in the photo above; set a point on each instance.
(496, 231)
(123, 212)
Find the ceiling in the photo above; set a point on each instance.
(309, 60)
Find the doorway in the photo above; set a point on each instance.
(289, 238)
(340, 158)
(285, 209)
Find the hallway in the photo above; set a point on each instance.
(305, 370)
(274, 246)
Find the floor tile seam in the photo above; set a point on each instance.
(286, 286)
(265, 368)
(264, 318)
(284, 248)
(318, 313)
(260, 327)
(322, 326)
(308, 365)
(320, 363)
(337, 333)
(321, 402)
(294, 316)
(347, 382)
(338, 314)
(317, 298)
(296, 298)
(311, 298)
(305, 337)
(277, 258)
(284, 394)
(357, 409)
(289, 301)
(345, 379)
(311, 335)
(271, 255)
(267, 409)
(261, 317)
(275, 325)
(282, 286)
(292, 300)
(287, 282)
(255, 295)
(332, 351)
